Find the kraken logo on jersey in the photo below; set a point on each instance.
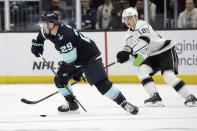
(60, 37)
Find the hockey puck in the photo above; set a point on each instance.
(43, 115)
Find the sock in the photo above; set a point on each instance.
(115, 95)
(69, 98)
(67, 94)
(149, 86)
(179, 86)
(181, 89)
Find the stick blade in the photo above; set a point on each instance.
(27, 102)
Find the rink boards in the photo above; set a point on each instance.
(18, 65)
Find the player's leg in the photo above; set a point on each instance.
(106, 88)
(144, 72)
(172, 80)
(61, 82)
(96, 75)
(169, 71)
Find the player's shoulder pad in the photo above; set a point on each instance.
(141, 24)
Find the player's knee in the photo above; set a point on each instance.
(60, 82)
(170, 77)
(144, 71)
(103, 86)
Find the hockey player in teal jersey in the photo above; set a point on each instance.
(80, 55)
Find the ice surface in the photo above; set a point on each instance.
(102, 115)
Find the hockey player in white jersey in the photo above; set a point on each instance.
(151, 53)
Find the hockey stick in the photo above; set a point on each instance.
(24, 100)
(35, 102)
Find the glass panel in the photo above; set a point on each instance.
(1, 16)
(24, 15)
(156, 13)
(109, 14)
(64, 9)
(187, 14)
(88, 16)
(178, 15)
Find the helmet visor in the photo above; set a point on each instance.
(42, 24)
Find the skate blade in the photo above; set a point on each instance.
(70, 112)
(157, 104)
(191, 104)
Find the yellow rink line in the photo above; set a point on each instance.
(188, 79)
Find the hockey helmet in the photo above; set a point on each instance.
(129, 12)
(49, 17)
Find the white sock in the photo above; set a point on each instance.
(150, 88)
(184, 92)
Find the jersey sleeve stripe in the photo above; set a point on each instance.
(94, 57)
(167, 42)
(145, 38)
(140, 49)
(129, 38)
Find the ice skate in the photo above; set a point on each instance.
(154, 101)
(191, 101)
(129, 107)
(69, 108)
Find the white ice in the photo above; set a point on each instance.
(102, 113)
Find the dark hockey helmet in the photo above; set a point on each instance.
(49, 17)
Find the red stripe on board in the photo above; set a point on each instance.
(106, 54)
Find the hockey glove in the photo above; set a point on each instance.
(77, 76)
(37, 48)
(122, 56)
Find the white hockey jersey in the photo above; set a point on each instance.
(145, 41)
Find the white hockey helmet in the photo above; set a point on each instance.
(129, 12)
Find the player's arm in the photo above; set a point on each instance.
(125, 55)
(140, 49)
(38, 43)
(140, 46)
